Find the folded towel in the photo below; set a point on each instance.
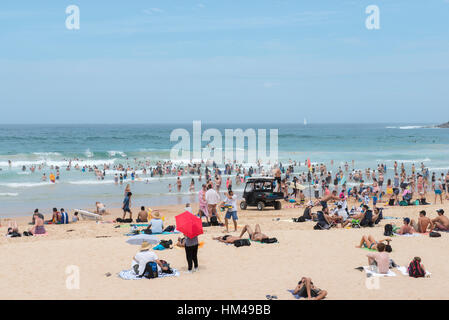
(159, 247)
(375, 274)
(131, 275)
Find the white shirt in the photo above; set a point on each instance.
(212, 197)
(231, 202)
(143, 257)
(156, 225)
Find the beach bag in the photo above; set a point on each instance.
(416, 202)
(415, 270)
(269, 240)
(206, 224)
(388, 230)
(300, 219)
(367, 219)
(214, 221)
(169, 229)
(242, 242)
(403, 203)
(166, 243)
(391, 202)
(434, 234)
(150, 271)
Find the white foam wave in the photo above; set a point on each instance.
(91, 182)
(25, 184)
(8, 194)
(113, 153)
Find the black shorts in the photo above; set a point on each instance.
(126, 210)
(278, 180)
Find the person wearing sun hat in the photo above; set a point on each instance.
(156, 224)
(144, 256)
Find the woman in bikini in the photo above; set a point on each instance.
(257, 235)
(370, 243)
(226, 239)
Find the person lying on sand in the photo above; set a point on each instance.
(307, 289)
(441, 222)
(13, 230)
(422, 224)
(370, 243)
(226, 239)
(257, 235)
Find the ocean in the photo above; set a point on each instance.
(25, 145)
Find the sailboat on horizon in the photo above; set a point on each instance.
(305, 121)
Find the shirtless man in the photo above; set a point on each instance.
(323, 201)
(441, 222)
(406, 227)
(142, 216)
(277, 176)
(227, 239)
(422, 224)
(257, 235)
(306, 289)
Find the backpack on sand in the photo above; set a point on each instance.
(388, 230)
(150, 271)
(415, 270)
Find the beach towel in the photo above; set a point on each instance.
(370, 273)
(408, 234)
(297, 296)
(131, 275)
(159, 247)
(404, 271)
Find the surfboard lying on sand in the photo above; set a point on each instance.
(86, 215)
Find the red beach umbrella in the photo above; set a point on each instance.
(190, 225)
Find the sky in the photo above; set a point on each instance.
(224, 61)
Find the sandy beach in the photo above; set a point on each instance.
(35, 267)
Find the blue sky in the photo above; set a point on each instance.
(224, 61)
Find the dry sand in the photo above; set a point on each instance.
(35, 267)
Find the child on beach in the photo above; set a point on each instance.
(231, 204)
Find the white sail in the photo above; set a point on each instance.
(305, 121)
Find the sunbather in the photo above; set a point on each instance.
(406, 227)
(441, 222)
(422, 224)
(257, 235)
(227, 239)
(13, 230)
(306, 289)
(379, 259)
(38, 227)
(370, 243)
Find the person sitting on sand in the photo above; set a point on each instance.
(142, 216)
(257, 235)
(75, 217)
(227, 238)
(406, 227)
(13, 230)
(379, 259)
(144, 256)
(441, 222)
(156, 224)
(56, 217)
(37, 213)
(422, 224)
(38, 227)
(370, 243)
(306, 289)
(64, 217)
(100, 208)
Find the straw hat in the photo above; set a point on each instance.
(145, 246)
(156, 214)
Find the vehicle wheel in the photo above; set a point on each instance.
(277, 205)
(260, 205)
(243, 205)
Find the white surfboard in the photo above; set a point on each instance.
(87, 215)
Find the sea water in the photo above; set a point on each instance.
(24, 145)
